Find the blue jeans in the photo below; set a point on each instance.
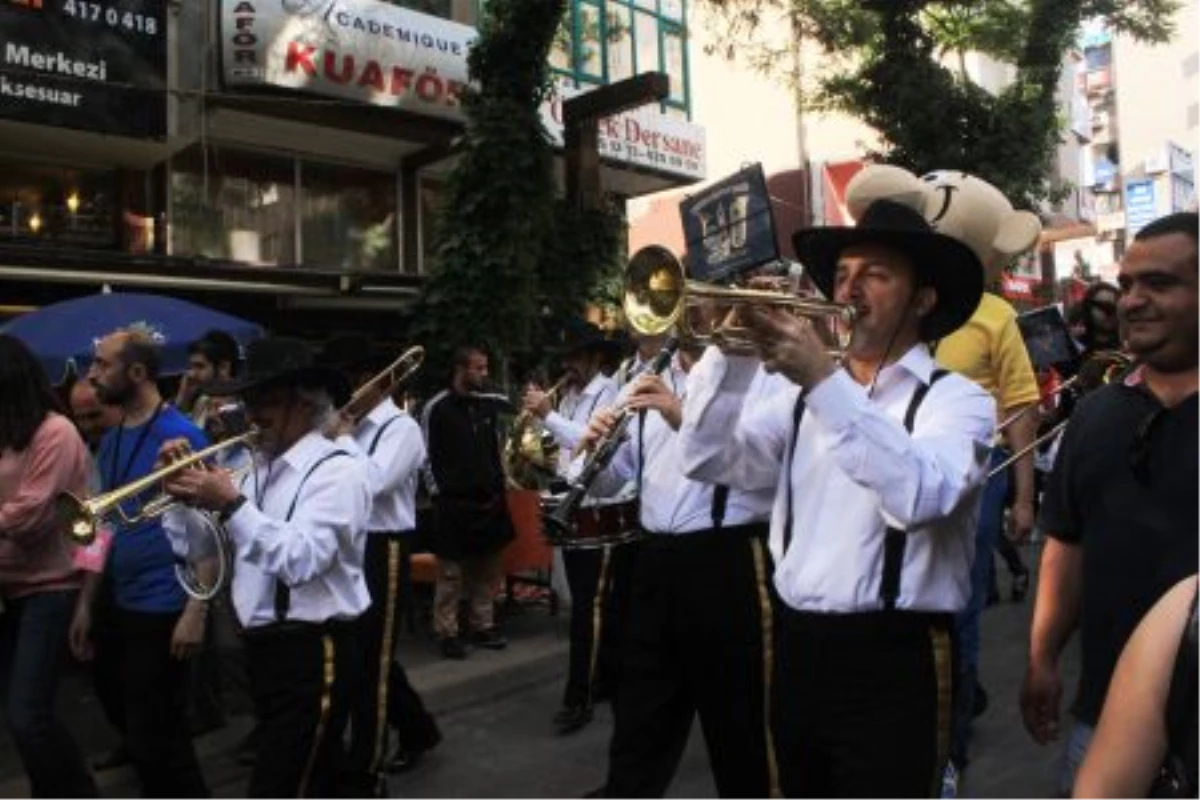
(33, 649)
(991, 520)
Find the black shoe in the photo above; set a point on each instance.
(981, 701)
(117, 757)
(452, 647)
(488, 638)
(569, 719)
(1020, 585)
(246, 753)
(404, 760)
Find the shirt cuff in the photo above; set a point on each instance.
(837, 400)
(242, 523)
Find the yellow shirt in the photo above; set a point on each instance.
(989, 350)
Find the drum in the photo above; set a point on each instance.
(601, 523)
(528, 550)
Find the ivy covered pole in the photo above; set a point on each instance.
(510, 254)
(499, 205)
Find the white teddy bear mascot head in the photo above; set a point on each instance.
(957, 204)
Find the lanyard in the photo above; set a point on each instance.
(115, 479)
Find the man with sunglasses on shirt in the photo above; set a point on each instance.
(1119, 509)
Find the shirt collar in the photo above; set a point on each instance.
(304, 452)
(382, 412)
(917, 362)
(595, 385)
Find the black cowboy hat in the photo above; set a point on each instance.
(579, 335)
(353, 352)
(941, 261)
(280, 361)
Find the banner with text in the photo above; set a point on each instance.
(98, 66)
(729, 227)
(367, 51)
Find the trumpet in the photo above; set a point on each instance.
(658, 296)
(83, 518)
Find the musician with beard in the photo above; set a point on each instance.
(149, 628)
(297, 522)
(588, 389)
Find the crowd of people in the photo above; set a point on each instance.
(812, 536)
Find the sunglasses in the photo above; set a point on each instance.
(1139, 448)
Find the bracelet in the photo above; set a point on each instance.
(231, 508)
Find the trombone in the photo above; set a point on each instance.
(395, 374)
(658, 296)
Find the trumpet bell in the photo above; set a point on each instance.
(658, 296)
(76, 516)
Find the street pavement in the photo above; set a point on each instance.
(494, 710)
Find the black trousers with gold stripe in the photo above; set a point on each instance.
(698, 643)
(385, 695)
(863, 703)
(301, 676)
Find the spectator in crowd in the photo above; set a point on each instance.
(91, 417)
(41, 456)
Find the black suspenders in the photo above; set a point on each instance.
(283, 592)
(379, 434)
(895, 539)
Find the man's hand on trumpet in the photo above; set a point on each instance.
(210, 489)
(788, 344)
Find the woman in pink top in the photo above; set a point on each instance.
(41, 455)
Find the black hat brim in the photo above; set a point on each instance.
(948, 265)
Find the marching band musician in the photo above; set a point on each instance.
(582, 353)
(699, 638)
(876, 469)
(297, 524)
(392, 449)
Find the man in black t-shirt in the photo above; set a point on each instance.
(1119, 508)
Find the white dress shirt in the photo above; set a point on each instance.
(318, 553)
(670, 502)
(569, 422)
(393, 465)
(855, 471)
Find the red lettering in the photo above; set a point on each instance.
(300, 57)
(372, 76)
(633, 131)
(401, 80)
(331, 73)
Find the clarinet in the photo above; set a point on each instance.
(558, 523)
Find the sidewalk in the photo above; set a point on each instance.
(536, 654)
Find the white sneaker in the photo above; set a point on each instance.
(950, 777)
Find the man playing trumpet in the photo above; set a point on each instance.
(297, 523)
(876, 467)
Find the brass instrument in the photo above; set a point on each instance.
(395, 374)
(658, 296)
(84, 517)
(1099, 369)
(530, 449)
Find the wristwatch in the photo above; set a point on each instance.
(231, 508)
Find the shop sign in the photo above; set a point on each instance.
(360, 50)
(97, 66)
(1141, 205)
(643, 137)
(366, 51)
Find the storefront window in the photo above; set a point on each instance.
(234, 205)
(348, 218)
(673, 63)
(433, 194)
(620, 42)
(41, 203)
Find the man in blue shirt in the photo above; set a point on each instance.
(150, 627)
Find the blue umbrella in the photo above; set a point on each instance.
(63, 335)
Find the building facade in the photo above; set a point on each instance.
(280, 159)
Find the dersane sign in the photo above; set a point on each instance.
(363, 51)
(97, 66)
